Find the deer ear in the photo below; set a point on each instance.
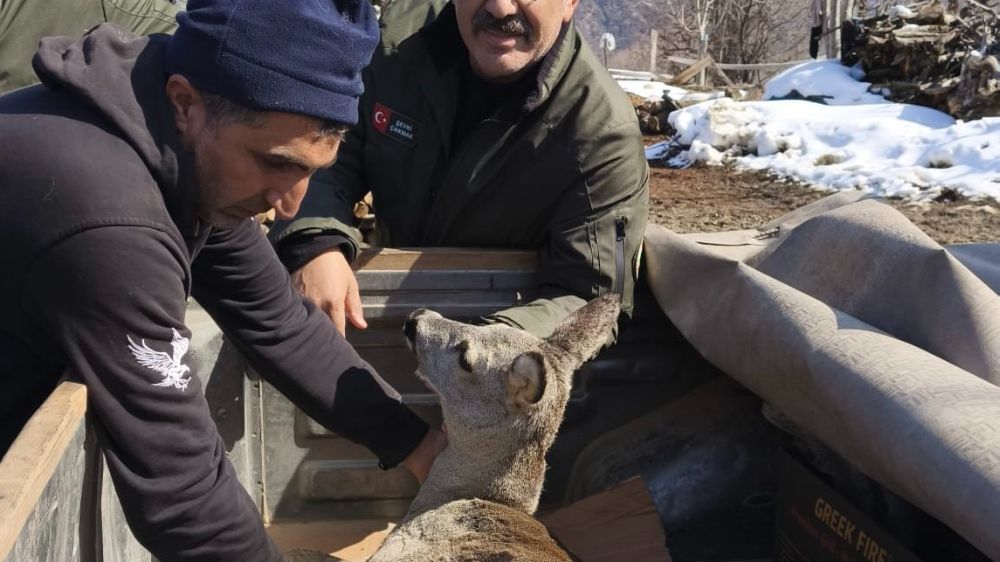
(526, 380)
(584, 332)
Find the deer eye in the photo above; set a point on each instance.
(463, 358)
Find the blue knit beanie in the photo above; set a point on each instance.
(295, 56)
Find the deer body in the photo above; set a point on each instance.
(503, 394)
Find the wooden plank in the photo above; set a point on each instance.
(994, 11)
(692, 71)
(53, 532)
(723, 75)
(353, 540)
(621, 74)
(468, 259)
(33, 457)
(731, 66)
(654, 50)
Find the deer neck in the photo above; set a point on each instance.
(477, 468)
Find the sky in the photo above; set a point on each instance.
(858, 140)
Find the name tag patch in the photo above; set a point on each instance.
(394, 124)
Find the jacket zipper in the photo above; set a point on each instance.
(620, 223)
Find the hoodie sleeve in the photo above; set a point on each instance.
(294, 346)
(112, 300)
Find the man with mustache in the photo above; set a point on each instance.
(492, 126)
(129, 180)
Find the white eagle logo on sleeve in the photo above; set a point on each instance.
(169, 367)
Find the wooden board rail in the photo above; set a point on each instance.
(32, 459)
(733, 66)
(377, 259)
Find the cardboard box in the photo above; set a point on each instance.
(618, 524)
(816, 524)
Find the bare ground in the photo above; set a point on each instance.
(712, 198)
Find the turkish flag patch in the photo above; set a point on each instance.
(394, 124)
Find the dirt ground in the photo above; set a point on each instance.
(712, 198)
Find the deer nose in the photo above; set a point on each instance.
(410, 324)
(410, 329)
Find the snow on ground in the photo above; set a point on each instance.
(652, 90)
(862, 142)
(828, 80)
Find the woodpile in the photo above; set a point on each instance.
(653, 114)
(932, 57)
(978, 91)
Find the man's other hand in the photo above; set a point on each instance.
(328, 281)
(422, 458)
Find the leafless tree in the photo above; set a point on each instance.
(734, 31)
(690, 24)
(756, 31)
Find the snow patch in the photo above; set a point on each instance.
(705, 153)
(897, 12)
(826, 80)
(767, 142)
(853, 140)
(651, 90)
(887, 149)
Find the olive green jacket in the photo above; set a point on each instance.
(562, 171)
(24, 22)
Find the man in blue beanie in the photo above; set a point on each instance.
(130, 178)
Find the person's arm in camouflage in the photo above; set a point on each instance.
(24, 22)
(144, 17)
(594, 237)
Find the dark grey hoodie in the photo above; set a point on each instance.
(101, 248)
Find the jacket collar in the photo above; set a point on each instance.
(554, 66)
